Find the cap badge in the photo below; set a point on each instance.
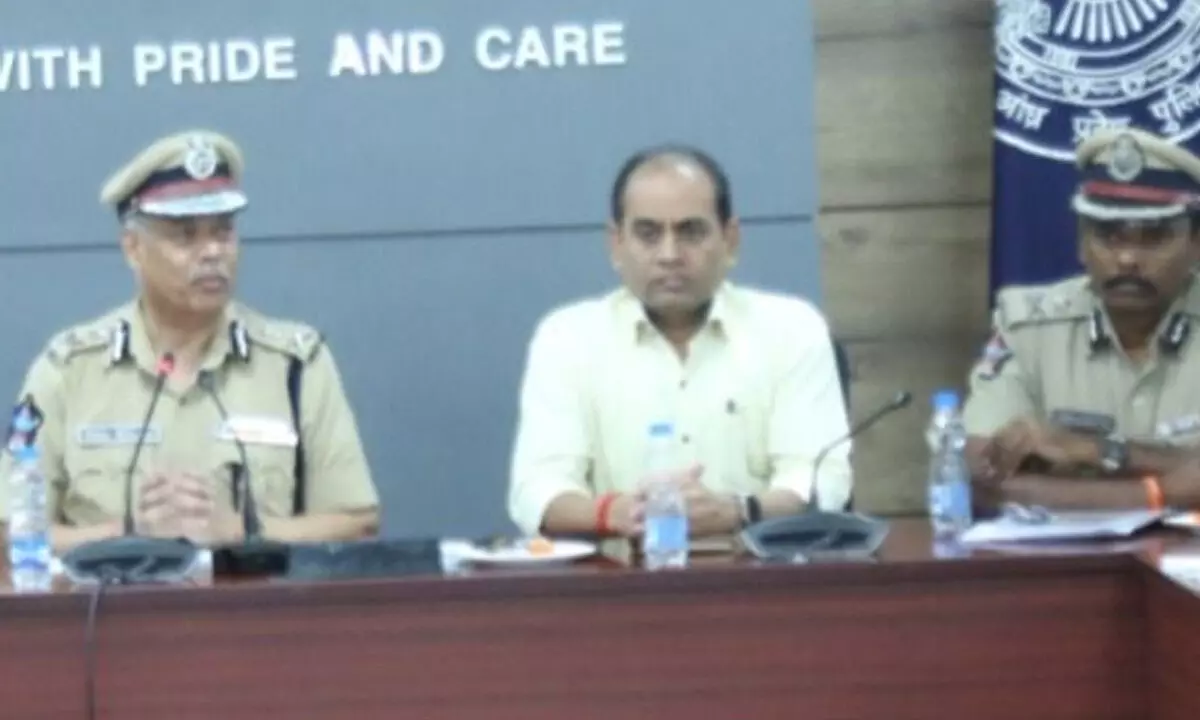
(201, 159)
(1126, 160)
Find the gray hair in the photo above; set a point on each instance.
(132, 222)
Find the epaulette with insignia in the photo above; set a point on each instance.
(110, 334)
(1040, 304)
(290, 338)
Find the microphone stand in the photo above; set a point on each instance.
(899, 401)
(814, 533)
(255, 555)
(131, 558)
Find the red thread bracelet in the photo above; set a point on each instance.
(602, 508)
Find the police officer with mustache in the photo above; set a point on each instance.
(185, 338)
(1087, 394)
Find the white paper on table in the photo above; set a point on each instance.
(1183, 567)
(1186, 520)
(1067, 525)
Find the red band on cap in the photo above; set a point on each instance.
(1136, 192)
(185, 188)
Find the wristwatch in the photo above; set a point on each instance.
(1114, 454)
(751, 509)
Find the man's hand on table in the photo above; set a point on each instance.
(1061, 450)
(181, 504)
(708, 512)
(1181, 486)
(626, 514)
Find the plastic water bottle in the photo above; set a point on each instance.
(665, 541)
(949, 474)
(29, 552)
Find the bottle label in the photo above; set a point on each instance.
(29, 550)
(666, 533)
(950, 499)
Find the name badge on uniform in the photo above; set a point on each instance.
(110, 435)
(255, 430)
(1179, 426)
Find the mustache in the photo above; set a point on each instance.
(1121, 281)
(209, 273)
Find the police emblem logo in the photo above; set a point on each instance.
(1067, 68)
(1126, 160)
(201, 160)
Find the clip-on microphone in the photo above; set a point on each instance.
(816, 533)
(255, 555)
(132, 558)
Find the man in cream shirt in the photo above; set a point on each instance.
(749, 378)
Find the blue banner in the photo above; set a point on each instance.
(1065, 68)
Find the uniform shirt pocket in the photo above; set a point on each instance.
(269, 441)
(747, 452)
(272, 478)
(96, 480)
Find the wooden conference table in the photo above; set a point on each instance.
(1092, 633)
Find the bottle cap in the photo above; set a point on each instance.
(945, 400)
(27, 453)
(23, 422)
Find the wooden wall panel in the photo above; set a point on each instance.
(904, 112)
(905, 119)
(837, 19)
(906, 272)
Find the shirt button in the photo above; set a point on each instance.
(687, 439)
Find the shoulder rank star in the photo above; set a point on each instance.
(995, 354)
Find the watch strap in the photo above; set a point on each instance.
(751, 510)
(1114, 453)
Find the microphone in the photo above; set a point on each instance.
(815, 534)
(166, 366)
(131, 558)
(899, 400)
(250, 520)
(255, 555)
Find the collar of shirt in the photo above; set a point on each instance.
(143, 353)
(631, 313)
(1185, 306)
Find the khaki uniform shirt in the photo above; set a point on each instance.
(1053, 348)
(93, 385)
(754, 402)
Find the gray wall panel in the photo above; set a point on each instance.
(534, 147)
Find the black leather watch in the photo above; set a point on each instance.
(1114, 454)
(751, 509)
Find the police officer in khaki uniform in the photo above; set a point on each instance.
(177, 201)
(1088, 393)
